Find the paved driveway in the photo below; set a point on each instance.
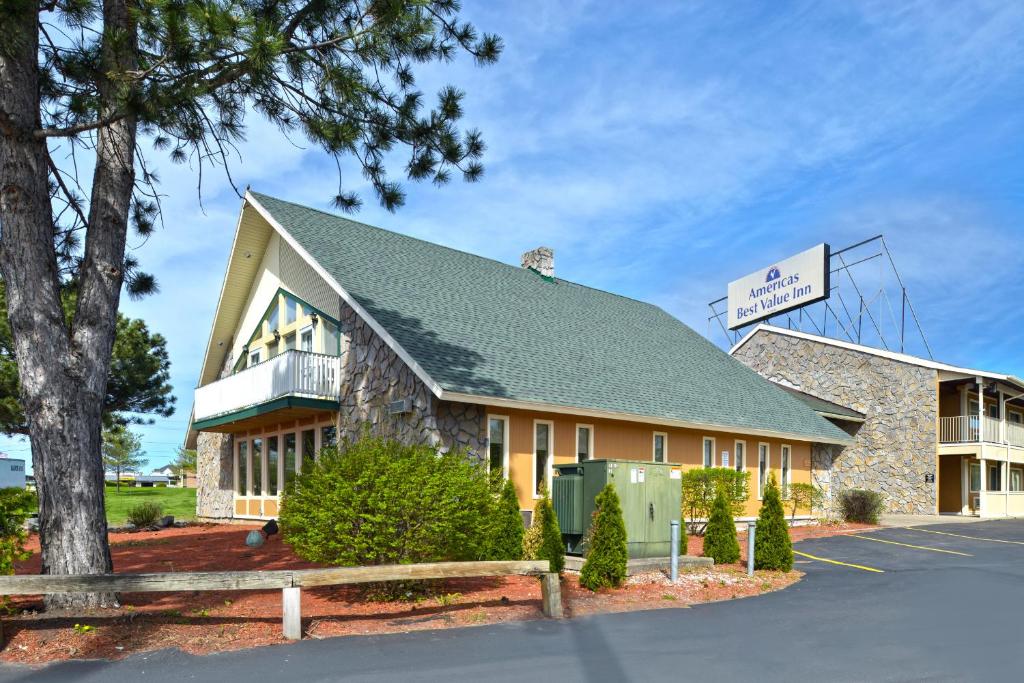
(949, 609)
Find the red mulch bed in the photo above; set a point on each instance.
(203, 622)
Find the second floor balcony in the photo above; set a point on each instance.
(298, 377)
(976, 429)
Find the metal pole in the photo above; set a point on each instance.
(751, 527)
(675, 549)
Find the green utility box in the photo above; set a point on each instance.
(649, 492)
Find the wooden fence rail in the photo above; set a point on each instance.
(290, 581)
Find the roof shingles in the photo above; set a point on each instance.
(482, 327)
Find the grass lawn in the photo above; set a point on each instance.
(178, 502)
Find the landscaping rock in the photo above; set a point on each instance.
(165, 522)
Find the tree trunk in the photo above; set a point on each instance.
(63, 372)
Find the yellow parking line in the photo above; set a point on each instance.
(973, 538)
(909, 545)
(844, 564)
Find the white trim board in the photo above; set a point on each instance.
(891, 355)
(535, 406)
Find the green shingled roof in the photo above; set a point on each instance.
(486, 328)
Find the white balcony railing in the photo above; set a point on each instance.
(292, 373)
(965, 429)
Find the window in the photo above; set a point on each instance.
(660, 441)
(541, 455)
(242, 468)
(763, 462)
(786, 469)
(993, 410)
(257, 467)
(975, 477)
(330, 338)
(328, 437)
(290, 310)
(709, 452)
(289, 341)
(273, 318)
(1014, 417)
(497, 445)
(254, 358)
(741, 456)
(1016, 479)
(995, 480)
(289, 458)
(271, 466)
(308, 447)
(306, 339)
(584, 442)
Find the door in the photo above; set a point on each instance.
(973, 486)
(951, 496)
(662, 508)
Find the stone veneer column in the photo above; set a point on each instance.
(895, 447)
(215, 475)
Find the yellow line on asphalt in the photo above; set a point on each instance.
(973, 538)
(909, 545)
(844, 564)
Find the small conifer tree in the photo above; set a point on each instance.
(551, 546)
(607, 556)
(772, 547)
(507, 532)
(720, 541)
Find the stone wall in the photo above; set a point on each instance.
(373, 376)
(895, 447)
(215, 468)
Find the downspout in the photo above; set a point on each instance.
(1006, 445)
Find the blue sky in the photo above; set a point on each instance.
(664, 149)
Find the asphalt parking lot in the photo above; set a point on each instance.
(935, 603)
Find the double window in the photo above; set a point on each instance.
(497, 444)
(584, 442)
(660, 448)
(709, 451)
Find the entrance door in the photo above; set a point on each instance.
(951, 493)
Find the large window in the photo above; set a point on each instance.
(242, 468)
(306, 339)
(289, 341)
(257, 467)
(741, 456)
(273, 318)
(272, 454)
(975, 477)
(1016, 479)
(787, 472)
(659, 447)
(289, 458)
(329, 437)
(290, 310)
(497, 445)
(584, 442)
(542, 439)
(330, 338)
(995, 479)
(308, 446)
(709, 452)
(763, 462)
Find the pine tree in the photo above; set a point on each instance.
(720, 541)
(607, 556)
(551, 547)
(507, 532)
(772, 547)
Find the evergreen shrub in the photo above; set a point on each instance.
(506, 535)
(772, 546)
(720, 541)
(607, 554)
(551, 547)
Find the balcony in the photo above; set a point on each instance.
(289, 380)
(968, 429)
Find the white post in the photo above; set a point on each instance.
(981, 410)
(291, 612)
(983, 484)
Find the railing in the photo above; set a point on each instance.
(292, 373)
(965, 429)
(290, 581)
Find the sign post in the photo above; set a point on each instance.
(751, 529)
(675, 550)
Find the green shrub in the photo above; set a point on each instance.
(506, 534)
(772, 547)
(861, 505)
(702, 484)
(803, 496)
(720, 541)
(551, 546)
(532, 539)
(145, 514)
(16, 505)
(607, 554)
(383, 502)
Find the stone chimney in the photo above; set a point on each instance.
(541, 259)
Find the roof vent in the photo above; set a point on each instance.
(542, 260)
